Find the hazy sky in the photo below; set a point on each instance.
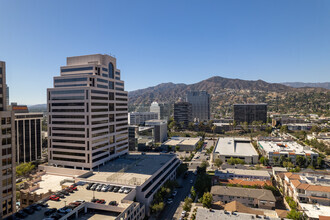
(165, 41)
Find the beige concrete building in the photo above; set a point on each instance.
(87, 113)
(184, 143)
(258, 198)
(7, 145)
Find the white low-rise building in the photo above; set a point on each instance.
(242, 174)
(288, 149)
(230, 147)
(184, 143)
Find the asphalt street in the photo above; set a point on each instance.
(169, 210)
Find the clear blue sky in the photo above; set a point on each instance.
(165, 41)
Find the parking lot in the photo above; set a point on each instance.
(81, 194)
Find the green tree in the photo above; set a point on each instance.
(234, 124)
(193, 193)
(172, 125)
(269, 129)
(218, 162)
(187, 204)
(205, 164)
(301, 160)
(315, 128)
(263, 160)
(182, 169)
(284, 129)
(24, 169)
(296, 215)
(275, 159)
(207, 199)
(191, 126)
(320, 162)
(177, 148)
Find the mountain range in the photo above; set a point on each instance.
(225, 92)
(325, 85)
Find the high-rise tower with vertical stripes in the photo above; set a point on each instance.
(87, 113)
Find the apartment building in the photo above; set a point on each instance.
(182, 113)
(275, 150)
(139, 118)
(305, 190)
(242, 174)
(250, 112)
(257, 198)
(87, 113)
(200, 104)
(8, 154)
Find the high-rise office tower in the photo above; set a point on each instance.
(28, 138)
(7, 145)
(87, 109)
(200, 103)
(7, 95)
(250, 112)
(154, 107)
(182, 113)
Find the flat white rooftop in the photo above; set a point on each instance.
(182, 141)
(284, 147)
(261, 173)
(314, 211)
(50, 182)
(235, 147)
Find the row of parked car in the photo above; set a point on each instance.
(56, 214)
(29, 210)
(64, 192)
(107, 188)
(102, 201)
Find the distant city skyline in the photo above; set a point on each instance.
(159, 42)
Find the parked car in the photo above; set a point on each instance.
(66, 193)
(183, 213)
(59, 195)
(42, 204)
(54, 198)
(68, 190)
(114, 203)
(80, 201)
(121, 190)
(73, 187)
(64, 210)
(116, 189)
(94, 186)
(191, 181)
(127, 190)
(174, 193)
(100, 201)
(111, 188)
(88, 187)
(21, 214)
(169, 201)
(50, 211)
(36, 207)
(29, 210)
(56, 216)
(99, 187)
(105, 188)
(75, 204)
